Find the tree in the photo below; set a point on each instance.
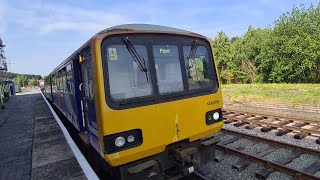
(288, 52)
(229, 70)
(296, 46)
(32, 82)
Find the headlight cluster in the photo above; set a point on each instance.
(213, 116)
(121, 141)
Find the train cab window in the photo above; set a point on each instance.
(168, 68)
(70, 83)
(197, 67)
(127, 78)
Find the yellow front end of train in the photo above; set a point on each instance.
(134, 127)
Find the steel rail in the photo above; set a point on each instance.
(274, 116)
(258, 120)
(267, 163)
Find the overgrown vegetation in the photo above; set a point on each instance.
(22, 79)
(288, 52)
(273, 93)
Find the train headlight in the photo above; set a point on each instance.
(130, 138)
(213, 116)
(216, 116)
(120, 141)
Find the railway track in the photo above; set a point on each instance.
(240, 145)
(273, 155)
(283, 125)
(281, 164)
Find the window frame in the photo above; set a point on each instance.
(182, 66)
(202, 88)
(69, 73)
(150, 75)
(157, 39)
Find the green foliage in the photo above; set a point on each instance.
(273, 93)
(32, 82)
(289, 52)
(25, 79)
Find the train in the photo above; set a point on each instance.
(147, 98)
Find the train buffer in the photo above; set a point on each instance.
(32, 144)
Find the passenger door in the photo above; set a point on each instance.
(86, 89)
(87, 99)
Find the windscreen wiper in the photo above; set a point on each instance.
(193, 51)
(133, 52)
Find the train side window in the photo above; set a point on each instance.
(58, 81)
(70, 84)
(53, 82)
(63, 79)
(87, 77)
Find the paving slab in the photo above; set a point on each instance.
(16, 135)
(32, 144)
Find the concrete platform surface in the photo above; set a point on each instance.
(32, 145)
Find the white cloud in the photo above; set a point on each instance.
(47, 18)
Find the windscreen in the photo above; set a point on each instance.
(125, 78)
(154, 66)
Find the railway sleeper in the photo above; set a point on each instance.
(238, 124)
(282, 132)
(267, 129)
(313, 168)
(264, 173)
(250, 126)
(300, 135)
(240, 165)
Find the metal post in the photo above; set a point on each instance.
(1, 97)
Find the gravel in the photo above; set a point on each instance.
(257, 148)
(307, 142)
(240, 143)
(224, 137)
(223, 169)
(219, 153)
(279, 175)
(317, 174)
(277, 154)
(302, 161)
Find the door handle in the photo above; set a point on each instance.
(80, 86)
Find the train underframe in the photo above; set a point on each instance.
(178, 160)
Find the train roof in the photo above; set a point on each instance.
(127, 27)
(143, 27)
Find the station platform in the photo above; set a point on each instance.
(32, 144)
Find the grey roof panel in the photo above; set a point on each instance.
(144, 27)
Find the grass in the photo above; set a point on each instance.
(273, 93)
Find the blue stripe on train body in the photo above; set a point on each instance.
(70, 105)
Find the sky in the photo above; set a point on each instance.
(40, 34)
